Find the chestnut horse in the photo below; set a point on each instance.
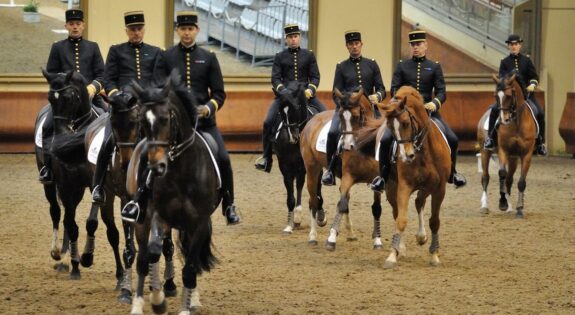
(515, 141)
(423, 164)
(356, 166)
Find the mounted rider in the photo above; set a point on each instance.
(133, 60)
(528, 79)
(292, 64)
(72, 54)
(353, 72)
(427, 77)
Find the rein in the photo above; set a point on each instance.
(73, 124)
(178, 149)
(125, 144)
(418, 136)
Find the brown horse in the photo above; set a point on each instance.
(515, 141)
(423, 164)
(356, 166)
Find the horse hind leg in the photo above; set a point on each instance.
(485, 160)
(170, 288)
(342, 212)
(157, 296)
(300, 181)
(521, 185)
(434, 223)
(288, 183)
(503, 202)
(87, 258)
(315, 204)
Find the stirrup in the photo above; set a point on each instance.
(328, 179)
(126, 215)
(264, 164)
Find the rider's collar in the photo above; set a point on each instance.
(418, 59)
(188, 48)
(75, 40)
(515, 56)
(355, 60)
(138, 45)
(292, 50)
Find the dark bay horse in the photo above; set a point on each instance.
(184, 194)
(356, 167)
(72, 113)
(294, 114)
(515, 143)
(423, 164)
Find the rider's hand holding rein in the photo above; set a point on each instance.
(91, 90)
(203, 111)
(308, 93)
(430, 106)
(374, 98)
(531, 88)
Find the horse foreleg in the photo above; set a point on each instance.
(87, 258)
(190, 295)
(142, 267)
(170, 288)
(157, 296)
(125, 296)
(288, 184)
(522, 184)
(434, 223)
(342, 211)
(315, 203)
(421, 235)
(397, 244)
(71, 227)
(485, 160)
(113, 236)
(376, 212)
(503, 162)
(55, 214)
(300, 181)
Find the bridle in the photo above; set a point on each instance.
(417, 136)
(73, 124)
(512, 110)
(121, 111)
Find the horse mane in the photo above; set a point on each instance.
(412, 99)
(367, 134)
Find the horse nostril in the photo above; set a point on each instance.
(411, 156)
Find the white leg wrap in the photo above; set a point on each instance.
(484, 203)
(137, 306)
(332, 236)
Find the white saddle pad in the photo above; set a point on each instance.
(486, 124)
(214, 162)
(321, 143)
(95, 146)
(38, 137)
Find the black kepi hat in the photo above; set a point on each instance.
(351, 36)
(186, 18)
(513, 38)
(417, 36)
(74, 15)
(291, 29)
(134, 18)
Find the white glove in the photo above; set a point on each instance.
(430, 106)
(373, 98)
(308, 93)
(203, 111)
(531, 88)
(91, 90)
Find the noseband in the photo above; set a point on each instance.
(175, 148)
(513, 109)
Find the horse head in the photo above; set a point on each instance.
(406, 117)
(165, 123)
(293, 105)
(69, 100)
(124, 119)
(351, 114)
(507, 93)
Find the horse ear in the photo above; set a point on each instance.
(137, 87)
(512, 78)
(49, 76)
(337, 93)
(403, 103)
(69, 75)
(168, 86)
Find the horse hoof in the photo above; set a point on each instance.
(312, 243)
(435, 263)
(161, 308)
(87, 260)
(125, 297)
(55, 254)
(288, 230)
(61, 267)
(352, 239)
(75, 275)
(377, 247)
(484, 210)
(330, 246)
(421, 239)
(519, 215)
(170, 289)
(296, 225)
(389, 264)
(503, 206)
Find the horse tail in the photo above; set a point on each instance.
(196, 245)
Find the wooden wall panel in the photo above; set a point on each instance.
(240, 120)
(567, 124)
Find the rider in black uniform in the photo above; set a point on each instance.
(133, 60)
(72, 54)
(427, 77)
(351, 73)
(201, 75)
(528, 79)
(292, 64)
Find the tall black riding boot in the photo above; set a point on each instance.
(490, 139)
(98, 193)
(541, 150)
(264, 163)
(229, 209)
(455, 178)
(328, 178)
(378, 183)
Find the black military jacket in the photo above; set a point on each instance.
(295, 65)
(524, 65)
(127, 62)
(422, 74)
(355, 72)
(200, 73)
(80, 55)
